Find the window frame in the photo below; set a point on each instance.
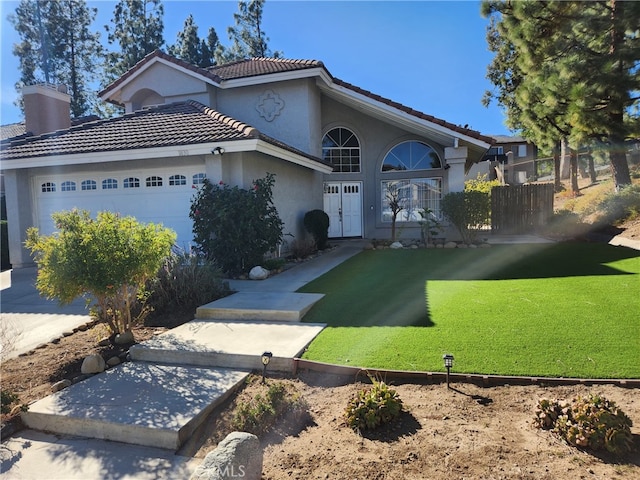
(344, 152)
(418, 200)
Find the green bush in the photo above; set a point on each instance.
(373, 407)
(481, 184)
(109, 258)
(316, 222)
(619, 206)
(274, 263)
(259, 413)
(7, 399)
(565, 223)
(185, 282)
(467, 211)
(591, 422)
(236, 227)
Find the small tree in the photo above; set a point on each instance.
(236, 227)
(109, 258)
(468, 211)
(396, 204)
(316, 222)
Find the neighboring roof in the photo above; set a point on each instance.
(12, 130)
(258, 67)
(176, 124)
(502, 139)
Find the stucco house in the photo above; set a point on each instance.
(331, 145)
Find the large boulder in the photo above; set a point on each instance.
(93, 364)
(258, 273)
(237, 456)
(396, 245)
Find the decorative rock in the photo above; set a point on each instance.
(463, 245)
(484, 245)
(450, 245)
(369, 246)
(105, 342)
(473, 245)
(124, 338)
(67, 334)
(414, 246)
(237, 456)
(93, 364)
(56, 387)
(396, 245)
(258, 273)
(113, 361)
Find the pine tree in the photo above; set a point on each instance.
(137, 28)
(57, 47)
(208, 49)
(249, 40)
(571, 71)
(188, 46)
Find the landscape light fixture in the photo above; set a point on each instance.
(448, 363)
(266, 358)
(218, 151)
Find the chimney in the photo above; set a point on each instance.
(46, 108)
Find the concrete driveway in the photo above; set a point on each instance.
(31, 319)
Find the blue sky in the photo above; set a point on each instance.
(429, 55)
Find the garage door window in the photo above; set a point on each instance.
(48, 187)
(177, 180)
(154, 181)
(68, 186)
(198, 178)
(131, 182)
(88, 185)
(109, 184)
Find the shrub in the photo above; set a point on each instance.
(373, 407)
(259, 413)
(236, 227)
(274, 263)
(481, 184)
(302, 248)
(468, 211)
(316, 222)
(564, 223)
(591, 422)
(109, 258)
(617, 207)
(7, 399)
(185, 282)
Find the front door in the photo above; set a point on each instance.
(343, 204)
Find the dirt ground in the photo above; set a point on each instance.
(443, 434)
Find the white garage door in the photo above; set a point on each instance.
(158, 196)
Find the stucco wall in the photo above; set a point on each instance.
(288, 111)
(376, 139)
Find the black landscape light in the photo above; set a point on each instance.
(448, 363)
(266, 358)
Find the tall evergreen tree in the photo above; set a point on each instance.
(137, 28)
(57, 47)
(188, 46)
(572, 71)
(209, 48)
(249, 39)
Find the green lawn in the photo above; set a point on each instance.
(561, 310)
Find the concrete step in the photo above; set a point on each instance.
(229, 344)
(270, 306)
(156, 405)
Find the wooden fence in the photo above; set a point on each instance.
(521, 208)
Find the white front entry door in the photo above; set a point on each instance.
(343, 204)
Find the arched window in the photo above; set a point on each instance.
(411, 156)
(88, 185)
(68, 186)
(177, 180)
(198, 178)
(154, 181)
(48, 187)
(131, 182)
(109, 184)
(341, 148)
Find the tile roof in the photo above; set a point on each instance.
(12, 130)
(261, 66)
(266, 66)
(181, 123)
(430, 118)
